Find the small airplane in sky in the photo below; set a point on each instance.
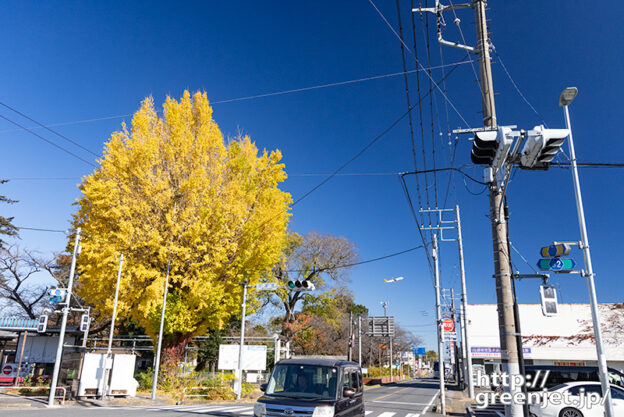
(393, 279)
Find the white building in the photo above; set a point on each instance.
(566, 339)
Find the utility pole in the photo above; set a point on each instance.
(109, 351)
(385, 307)
(464, 308)
(441, 226)
(239, 376)
(61, 341)
(350, 347)
(434, 253)
(502, 270)
(360, 340)
(160, 332)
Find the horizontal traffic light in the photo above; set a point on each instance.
(492, 147)
(301, 285)
(541, 146)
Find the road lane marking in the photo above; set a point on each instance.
(386, 414)
(392, 393)
(367, 412)
(412, 415)
(431, 402)
(399, 402)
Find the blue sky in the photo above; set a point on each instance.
(74, 61)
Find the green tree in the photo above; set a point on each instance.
(172, 192)
(431, 355)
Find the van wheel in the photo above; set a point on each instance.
(570, 412)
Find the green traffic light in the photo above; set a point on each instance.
(291, 284)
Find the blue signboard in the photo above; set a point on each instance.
(14, 323)
(418, 350)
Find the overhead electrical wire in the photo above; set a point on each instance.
(407, 94)
(49, 141)
(419, 64)
(49, 129)
(251, 97)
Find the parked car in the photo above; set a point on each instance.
(312, 388)
(561, 374)
(578, 407)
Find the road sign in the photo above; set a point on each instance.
(448, 324)
(449, 336)
(266, 286)
(15, 323)
(57, 292)
(418, 350)
(381, 326)
(556, 264)
(562, 249)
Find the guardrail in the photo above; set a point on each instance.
(46, 388)
(184, 394)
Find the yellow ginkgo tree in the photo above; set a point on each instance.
(172, 190)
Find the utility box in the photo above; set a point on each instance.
(112, 375)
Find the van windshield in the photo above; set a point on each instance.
(303, 381)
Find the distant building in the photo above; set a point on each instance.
(566, 339)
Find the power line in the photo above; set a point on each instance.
(48, 141)
(368, 260)
(407, 94)
(368, 145)
(48, 129)
(41, 230)
(255, 96)
(419, 64)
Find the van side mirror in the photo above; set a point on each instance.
(263, 387)
(348, 393)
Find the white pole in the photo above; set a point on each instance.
(602, 359)
(239, 371)
(112, 329)
(360, 340)
(160, 333)
(59, 348)
(464, 316)
(439, 325)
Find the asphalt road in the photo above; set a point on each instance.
(407, 399)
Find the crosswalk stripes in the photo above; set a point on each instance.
(367, 412)
(386, 414)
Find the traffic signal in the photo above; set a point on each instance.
(42, 324)
(492, 147)
(548, 297)
(541, 146)
(299, 285)
(84, 323)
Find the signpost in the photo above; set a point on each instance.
(556, 264)
(381, 326)
(266, 286)
(448, 324)
(561, 249)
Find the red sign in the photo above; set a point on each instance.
(7, 370)
(448, 324)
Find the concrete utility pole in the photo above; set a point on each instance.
(360, 340)
(61, 341)
(109, 350)
(385, 307)
(434, 253)
(589, 273)
(464, 309)
(502, 270)
(350, 347)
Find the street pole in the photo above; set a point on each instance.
(502, 275)
(434, 253)
(464, 315)
(109, 350)
(239, 371)
(360, 340)
(350, 347)
(589, 274)
(61, 341)
(454, 344)
(21, 356)
(160, 332)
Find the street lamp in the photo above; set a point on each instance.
(567, 96)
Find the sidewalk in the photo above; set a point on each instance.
(456, 402)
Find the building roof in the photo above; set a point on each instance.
(551, 337)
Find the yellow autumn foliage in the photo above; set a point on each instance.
(172, 189)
